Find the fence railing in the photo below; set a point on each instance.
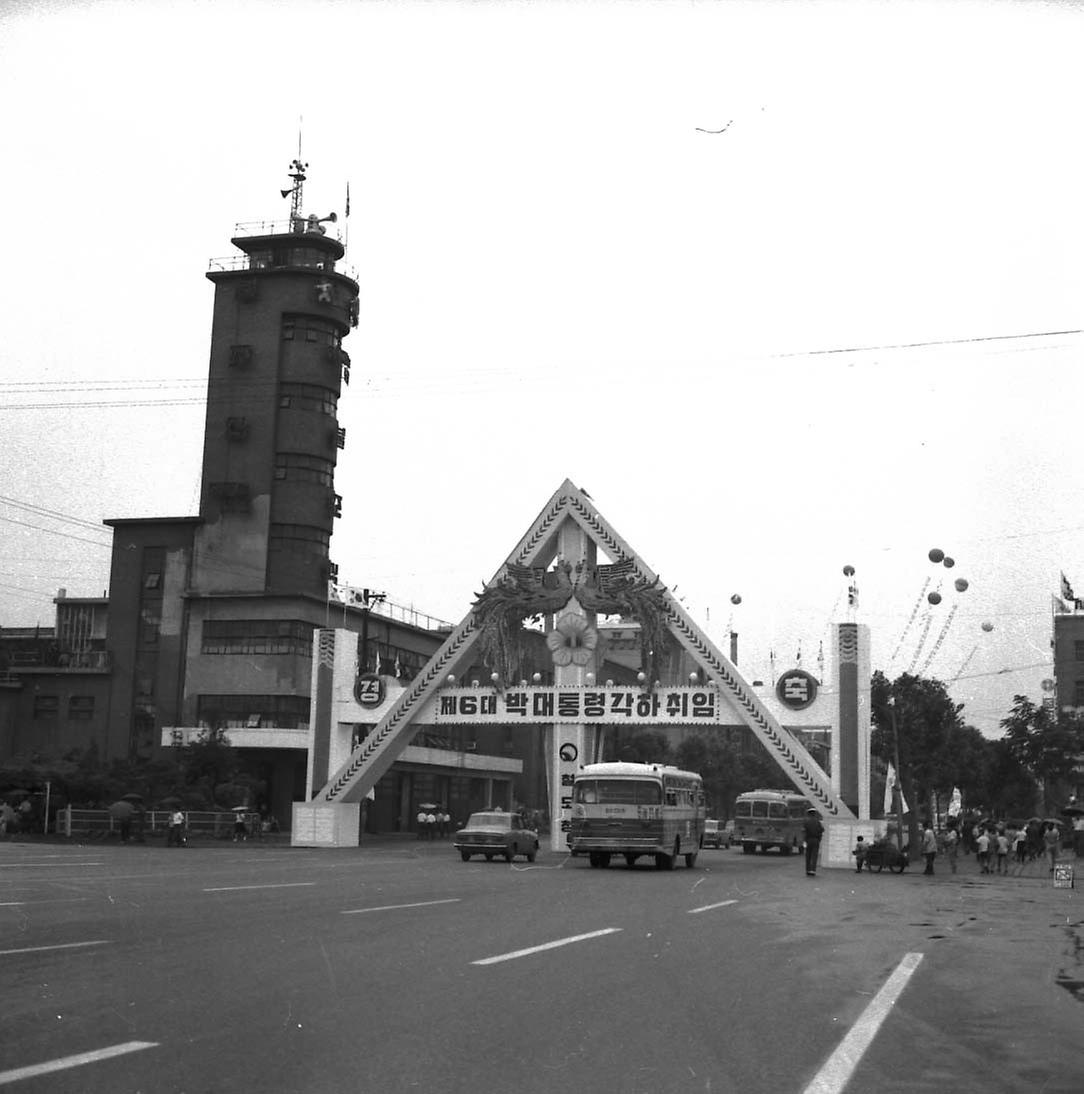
(208, 824)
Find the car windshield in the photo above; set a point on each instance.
(489, 820)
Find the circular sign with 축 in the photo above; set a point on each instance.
(369, 689)
(796, 689)
(569, 752)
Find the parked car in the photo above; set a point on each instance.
(715, 834)
(496, 833)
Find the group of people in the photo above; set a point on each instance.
(996, 845)
(15, 819)
(433, 824)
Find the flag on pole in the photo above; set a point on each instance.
(1066, 588)
(890, 785)
(347, 199)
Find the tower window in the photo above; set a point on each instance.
(322, 400)
(80, 708)
(46, 707)
(240, 356)
(301, 467)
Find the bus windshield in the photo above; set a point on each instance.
(617, 792)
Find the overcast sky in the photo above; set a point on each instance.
(843, 331)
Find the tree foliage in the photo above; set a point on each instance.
(1047, 746)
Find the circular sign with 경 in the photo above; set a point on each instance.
(569, 752)
(796, 689)
(369, 689)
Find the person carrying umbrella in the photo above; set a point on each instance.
(121, 811)
(175, 831)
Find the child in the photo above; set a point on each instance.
(982, 852)
(860, 854)
(1002, 853)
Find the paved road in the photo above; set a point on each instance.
(397, 967)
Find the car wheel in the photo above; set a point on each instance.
(510, 852)
(489, 856)
(630, 860)
(532, 853)
(465, 856)
(690, 860)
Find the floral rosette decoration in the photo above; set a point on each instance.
(572, 641)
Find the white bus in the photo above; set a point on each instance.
(635, 810)
(770, 818)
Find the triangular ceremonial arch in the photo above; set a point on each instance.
(570, 517)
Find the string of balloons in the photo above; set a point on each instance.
(909, 623)
(937, 557)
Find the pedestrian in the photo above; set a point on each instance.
(431, 825)
(1051, 842)
(7, 819)
(982, 851)
(859, 854)
(240, 832)
(1002, 852)
(929, 847)
(175, 831)
(421, 823)
(814, 830)
(1020, 845)
(952, 848)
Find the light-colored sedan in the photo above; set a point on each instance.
(496, 833)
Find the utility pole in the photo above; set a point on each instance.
(898, 788)
(368, 599)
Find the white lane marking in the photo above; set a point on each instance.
(711, 907)
(546, 946)
(59, 946)
(58, 900)
(281, 885)
(396, 907)
(839, 1067)
(19, 865)
(65, 1062)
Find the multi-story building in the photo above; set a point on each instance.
(209, 619)
(1068, 644)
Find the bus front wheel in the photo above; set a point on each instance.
(748, 848)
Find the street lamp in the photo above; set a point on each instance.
(898, 788)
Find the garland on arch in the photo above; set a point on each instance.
(530, 593)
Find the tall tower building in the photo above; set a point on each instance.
(211, 617)
(277, 367)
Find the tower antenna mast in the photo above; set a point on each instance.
(297, 173)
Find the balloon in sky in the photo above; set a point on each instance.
(987, 627)
(961, 584)
(949, 562)
(936, 554)
(848, 571)
(934, 598)
(735, 599)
